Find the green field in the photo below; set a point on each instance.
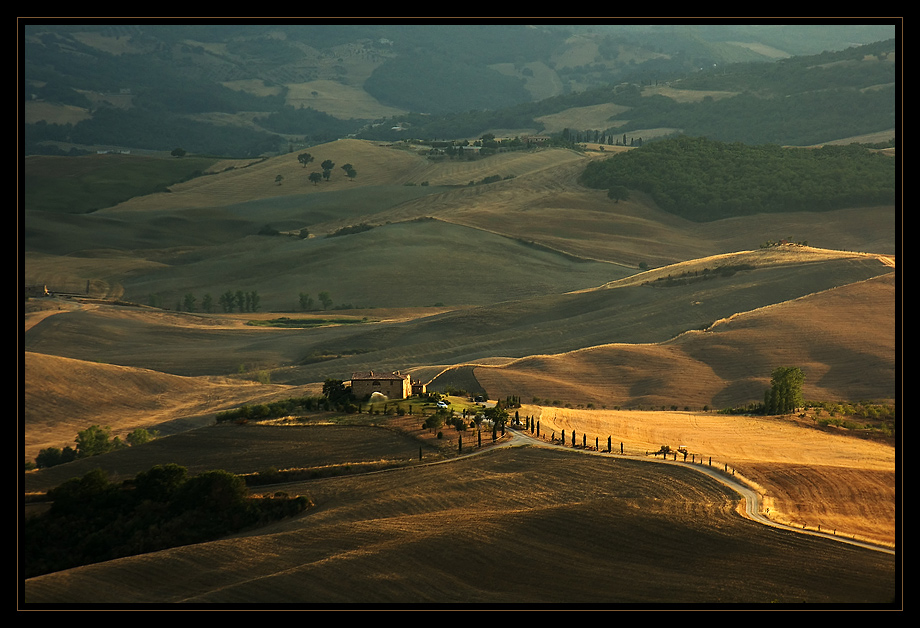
(82, 185)
(304, 323)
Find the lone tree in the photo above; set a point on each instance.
(327, 166)
(785, 393)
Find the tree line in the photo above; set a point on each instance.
(694, 276)
(229, 301)
(92, 441)
(336, 396)
(275, 409)
(242, 301)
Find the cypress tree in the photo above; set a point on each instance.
(785, 393)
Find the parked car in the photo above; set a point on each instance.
(443, 404)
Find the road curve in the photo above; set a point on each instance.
(751, 504)
(750, 508)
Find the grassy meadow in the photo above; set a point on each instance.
(101, 180)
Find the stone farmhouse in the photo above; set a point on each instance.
(393, 385)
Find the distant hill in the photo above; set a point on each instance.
(246, 90)
(463, 241)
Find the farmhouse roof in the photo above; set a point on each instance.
(376, 375)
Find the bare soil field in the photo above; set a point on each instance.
(375, 165)
(849, 500)
(515, 526)
(603, 325)
(549, 206)
(34, 112)
(144, 245)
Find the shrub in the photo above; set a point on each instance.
(96, 440)
(160, 483)
(52, 456)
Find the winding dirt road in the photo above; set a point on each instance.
(751, 508)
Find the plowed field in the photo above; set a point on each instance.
(520, 525)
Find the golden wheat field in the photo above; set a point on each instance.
(790, 462)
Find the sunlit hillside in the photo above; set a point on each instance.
(843, 338)
(64, 396)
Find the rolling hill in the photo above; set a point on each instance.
(534, 269)
(583, 532)
(538, 202)
(843, 338)
(502, 274)
(515, 319)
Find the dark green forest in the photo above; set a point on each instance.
(419, 84)
(93, 519)
(292, 121)
(702, 179)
